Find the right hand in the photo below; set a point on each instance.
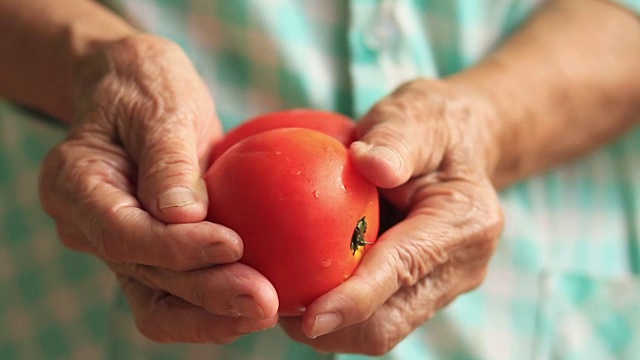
(126, 185)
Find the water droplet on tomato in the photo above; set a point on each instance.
(316, 194)
(326, 263)
(301, 309)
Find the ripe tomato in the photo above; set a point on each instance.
(303, 211)
(333, 124)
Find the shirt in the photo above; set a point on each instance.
(564, 282)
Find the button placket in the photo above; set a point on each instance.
(384, 32)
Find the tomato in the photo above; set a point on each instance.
(303, 211)
(333, 124)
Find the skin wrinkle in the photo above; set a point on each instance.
(362, 311)
(104, 240)
(417, 259)
(430, 159)
(106, 98)
(386, 336)
(443, 265)
(150, 277)
(386, 331)
(103, 171)
(399, 107)
(536, 110)
(462, 196)
(157, 103)
(158, 136)
(177, 160)
(91, 225)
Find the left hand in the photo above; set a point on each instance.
(430, 146)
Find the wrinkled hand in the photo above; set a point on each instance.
(430, 146)
(126, 186)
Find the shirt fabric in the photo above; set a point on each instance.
(564, 282)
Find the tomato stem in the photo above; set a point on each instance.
(357, 239)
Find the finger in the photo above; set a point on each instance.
(74, 239)
(401, 136)
(233, 289)
(165, 318)
(450, 217)
(391, 323)
(170, 139)
(406, 310)
(170, 183)
(85, 186)
(124, 233)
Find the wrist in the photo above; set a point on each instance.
(41, 43)
(486, 106)
(83, 43)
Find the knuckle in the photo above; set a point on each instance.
(106, 249)
(476, 278)
(393, 136)
(107, 233)
(413, 259)
(74, 240)
(106, 245)
(140, 272)
(174, 249)
(492, 223)
(148, 327)
(69, 241)
(174, 164)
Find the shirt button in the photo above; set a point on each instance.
(383, 33)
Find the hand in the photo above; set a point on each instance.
(126, 186)
(430, 145)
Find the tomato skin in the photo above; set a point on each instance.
(333, 124)
(294, 198)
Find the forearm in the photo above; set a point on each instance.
(41, 41)
(567, 82)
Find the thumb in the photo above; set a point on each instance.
(170, 183)
(395, 142)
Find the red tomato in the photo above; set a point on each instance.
(333, 124)
(303, 211)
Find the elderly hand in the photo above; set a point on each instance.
(429, 144)
(126, 186)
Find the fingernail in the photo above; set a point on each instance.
(176, 197)
(325, 323)
(246, 306)
(201, 190)
(385, 153)
(360, 147)
(220, 253)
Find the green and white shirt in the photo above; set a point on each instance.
(564, 283)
